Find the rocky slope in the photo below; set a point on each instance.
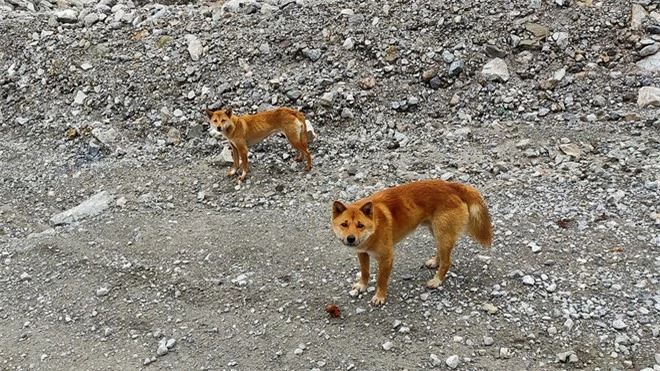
(548, 107)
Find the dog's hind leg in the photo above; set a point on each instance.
(447, 228)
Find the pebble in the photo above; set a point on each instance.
(619, 324)
(387, 345)
(648, 96)
(103, 291)
(528, 280)
(490, 308)
(162, 350)
(25, 276)
(488, 341)
(496, 70)
(453, 361)
(535, 248)
(435, 360)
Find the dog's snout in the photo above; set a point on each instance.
(350, 239)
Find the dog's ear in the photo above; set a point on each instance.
(229, 111)
(208, 113)
(337, 208)
(367, 209)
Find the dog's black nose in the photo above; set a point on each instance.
(350, 239)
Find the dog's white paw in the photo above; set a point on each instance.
(360, 287)
(377, 300)
(433, 283)
(431, 263)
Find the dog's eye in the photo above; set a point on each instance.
(344, 225)
(360, 225)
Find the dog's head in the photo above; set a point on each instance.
(220, 121)
(352, 224)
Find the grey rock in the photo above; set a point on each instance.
(455, 68)
(90, 19)
(528, 280)
(649, 50)
(93, 206)
(447, 56)
(619, 325)
(565, 356)
(496, 70)
(66, 16)
(650, 63)
(453, 361)
(494, 52)
(80, 97)
(638, 14)
(195, 48)
(107, 137)
(648, 96)
(313, 54)
(435, 360)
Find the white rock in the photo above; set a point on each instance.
(490, 308)
(619, 324)
(648, 96)
(103, 291)
(528, 280)
(93, 206)
(571, 149)
(488, 341)
(387, 345)
(66, 16)
(453, 361)
(565, 356)
(435, 360)
(25, 276)
(535, 248)
(79, 98)
(107, 136)
(162, 350)
(170, 343)
(496, 70)
(195, 47)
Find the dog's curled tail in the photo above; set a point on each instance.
(479, 225)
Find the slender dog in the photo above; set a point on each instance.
(372, 226)
(247, 130)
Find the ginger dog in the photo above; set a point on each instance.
(247, 130)
(373, 225)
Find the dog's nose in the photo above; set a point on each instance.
(350, 239)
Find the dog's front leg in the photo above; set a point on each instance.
(361, 284)
(382, 278)
(243, 153)
(234, 156)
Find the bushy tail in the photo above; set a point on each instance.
(479, 226)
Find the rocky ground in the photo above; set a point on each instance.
(124, 246)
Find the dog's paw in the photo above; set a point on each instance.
(242, 177)
(298, 158)
(433, 283)
(431, 263)
(232, 172)
(360, 287)
(377, 300)
(308, 167)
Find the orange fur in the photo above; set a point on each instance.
(248, 130)
(373, 225)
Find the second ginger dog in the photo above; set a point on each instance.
(372, 226)
(247, 130)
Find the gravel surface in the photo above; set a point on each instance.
(123, 245)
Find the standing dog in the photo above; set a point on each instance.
(247, 130)
(373, 225)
